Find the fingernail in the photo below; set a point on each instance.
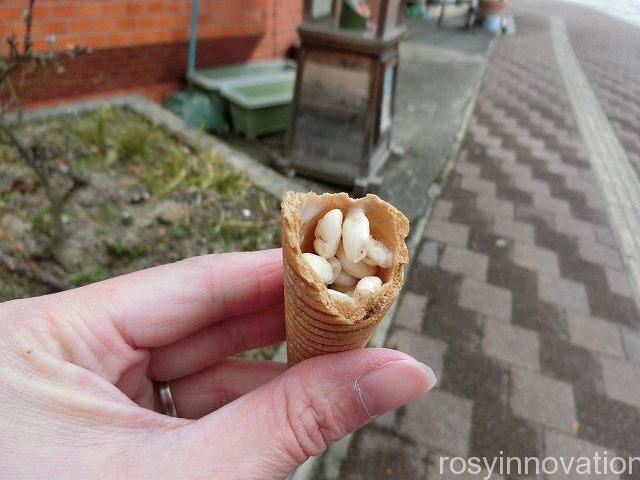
(394, 384)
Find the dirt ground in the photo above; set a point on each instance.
(145, 199)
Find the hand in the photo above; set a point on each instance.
(77, 371)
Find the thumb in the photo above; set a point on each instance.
(267, 433)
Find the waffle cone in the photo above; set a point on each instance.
(317, 324)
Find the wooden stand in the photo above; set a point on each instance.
(343, 107)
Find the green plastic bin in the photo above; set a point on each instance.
(262, 107)
(214, 80)
(197, 110)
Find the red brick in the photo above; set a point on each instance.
(40, 44)
(118, 39)
(165, 22)
(135, 8)
(158, 36)
(113, 9)
(10, 13)
(138, 38)
(89, 10)
(94, 40)
(77, 27)
(127, 37)
(146, 22)
(126, 23)
(155, 7)
(102, 25)
(49, 28)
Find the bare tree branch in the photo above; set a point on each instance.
(20, 60)
(16, 265)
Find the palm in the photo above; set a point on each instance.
(135, 382)
(183, 332)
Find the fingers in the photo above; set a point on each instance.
(270, 431)
(217, 341)
(205, 391)
(155, 307)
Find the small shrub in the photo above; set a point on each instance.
(133, 143)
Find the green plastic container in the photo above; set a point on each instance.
(197, 110)
(214, 80)
(350, 18)
(261, 107)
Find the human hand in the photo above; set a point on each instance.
(77, 371)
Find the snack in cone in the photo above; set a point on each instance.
(320, 320)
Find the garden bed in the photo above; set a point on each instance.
(145, 199)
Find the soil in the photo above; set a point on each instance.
(148, 200)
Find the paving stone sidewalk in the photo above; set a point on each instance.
(615, 78)
(519, 299)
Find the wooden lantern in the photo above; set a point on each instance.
(343, 107)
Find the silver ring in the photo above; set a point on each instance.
(167, 405)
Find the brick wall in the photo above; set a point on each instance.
(141, 45)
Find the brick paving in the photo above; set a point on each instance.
(614, 78)
(519, 298)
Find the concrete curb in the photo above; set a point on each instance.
(261, 175)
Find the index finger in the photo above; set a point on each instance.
(160, 305)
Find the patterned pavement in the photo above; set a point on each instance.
(615, 78)
(519, 298)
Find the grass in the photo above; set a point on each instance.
(203, 170)
(118, 138)
(42, 221)
(133, 144)
(181, 231)
(122, 153)
(108, 212)
(441, 177)
(91, 275)
(7, 199)
(123, 250)
(264, 353)
(96, 134)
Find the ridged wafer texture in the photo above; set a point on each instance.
(316, 323)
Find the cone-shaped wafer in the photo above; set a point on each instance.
(317, 323)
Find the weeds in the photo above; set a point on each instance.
(108, 212)
(89, 276)
(230, 182)
(7, 199)
(180, 232)
(441, 176)
(123, 250)
(133, 144)
(42, 221)
(223, 179)
(94, 133)
(120, 149)
(202, 170)
(264, 353)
